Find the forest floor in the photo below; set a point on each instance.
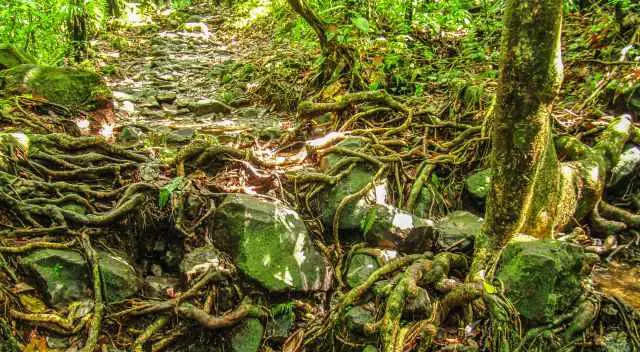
(224, 219)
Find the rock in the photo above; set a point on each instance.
(283, 320)
(208, 106)
(130, 134)
(389, 227)
(122, 96)
(63, 86)
(477, 185)
(166, 98)
(10, 56)
(458, 226)
(542, 278)
(159, 286)
(195, 27)
(360, 268)
(370, 348)
(625, 169)
(64, 275)
(357, 318)
(182, 135)
(199, 260)
(361, 175)
(247, 336)
(270, 243)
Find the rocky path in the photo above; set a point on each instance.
(167, 84)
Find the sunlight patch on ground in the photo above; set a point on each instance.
(262, 10)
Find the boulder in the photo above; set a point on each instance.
(63, 275)
(477, 185)
(389, 227)
(70, 87)
(361, 267)
(458, 227)
(208, 106)
(10, 56)
(270, 244)
(542, 278)
(247, 336)
(361, 175)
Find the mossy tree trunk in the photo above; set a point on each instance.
(526, 178)
(77, 26)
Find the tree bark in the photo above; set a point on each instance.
(523, 158)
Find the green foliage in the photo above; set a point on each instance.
(167, 190)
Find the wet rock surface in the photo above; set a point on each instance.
(270, 243)
(459, 228)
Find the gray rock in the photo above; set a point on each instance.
(626, 168)
(208, 106)
(157, 286)
(458, 227)
(270, 243)
(247, 336)
(182, 135)
(478, 184)
(389, 227)
(542, 278)
(63, 275)
(199, 260)
(360, 268)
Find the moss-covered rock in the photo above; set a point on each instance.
(477, 185)
(459, 227)
(70, 87)
(360, 268)
(361, 175)
(390, 227)
(270, 243)
(247, 336)
(10, 56)
(63, 275)
(541, 277)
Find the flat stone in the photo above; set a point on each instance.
(270, 244)
(199, 260)
(357, 318)
(208, 106)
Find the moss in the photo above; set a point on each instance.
(70, 87)
(542, 278)
(10, 56)
(247, 337)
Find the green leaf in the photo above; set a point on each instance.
(488, 288)
(361, 23)
(167, 190)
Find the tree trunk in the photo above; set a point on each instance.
(523, 158)
(78, 29)
(113, 8)
(338, 58)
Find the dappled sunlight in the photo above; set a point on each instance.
(262, 10)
